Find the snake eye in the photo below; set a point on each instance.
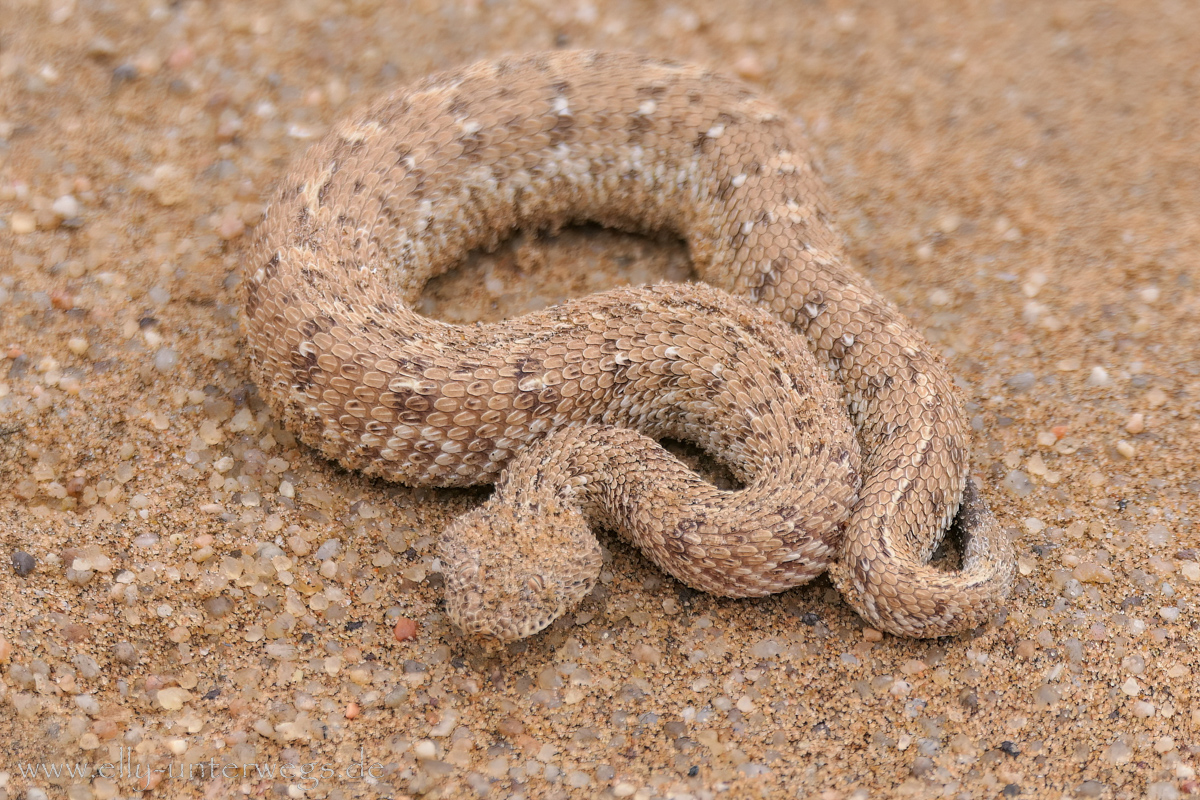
(535, 583)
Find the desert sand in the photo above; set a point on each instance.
(198, 605)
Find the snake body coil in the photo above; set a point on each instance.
(405, 189)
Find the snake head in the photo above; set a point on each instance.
(512, 569)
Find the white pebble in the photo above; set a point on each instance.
(1142, 709)
(1169, 613)
(1018, 483)
(1098, 379)
(165, 360)
(66, 207)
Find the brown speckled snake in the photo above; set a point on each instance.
(785, 371)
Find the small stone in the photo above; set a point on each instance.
(767, 648)
(1156, 397)
(1090, 572)
(1162, 790)
(1169, 613)
(510, 727)
(922, 766)
(229, 227)
(125, 653)
(165, 360)
(1125, 449)
(1118, 753)
(66, 207)
(22, 223)
(169, 185)
(1098, 378)
(1022, 382)
(1046, 695)
(577, 779)
(404, 629)
(646, 654)
(101, 47)
(1018, 483)
(425, 749)
(1131, 687)
(750, 67)
(173, 698)
(23, 563)
(1136, 423)
(353, 710)
(1143, 709)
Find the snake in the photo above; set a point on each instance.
(839, 421)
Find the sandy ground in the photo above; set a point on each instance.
(195, 597)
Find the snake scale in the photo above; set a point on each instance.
(838, 418)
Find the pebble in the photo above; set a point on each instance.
(646, 654)
(1018, 483)
(1098, 378)
(168, 184)
(577, 779)
(1118, 753)
(165, 360)
(1136, 423)
(1046, 695)
(23, 563)
(66, 207)
(404, 629)
(173, 698)
(1022, 382)
(125, 653)
(1090, 572)
(1162, 790)
(750, 67)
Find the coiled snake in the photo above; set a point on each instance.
(785, 371)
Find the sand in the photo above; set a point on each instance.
(198, 605)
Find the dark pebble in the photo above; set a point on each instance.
(23, 563)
